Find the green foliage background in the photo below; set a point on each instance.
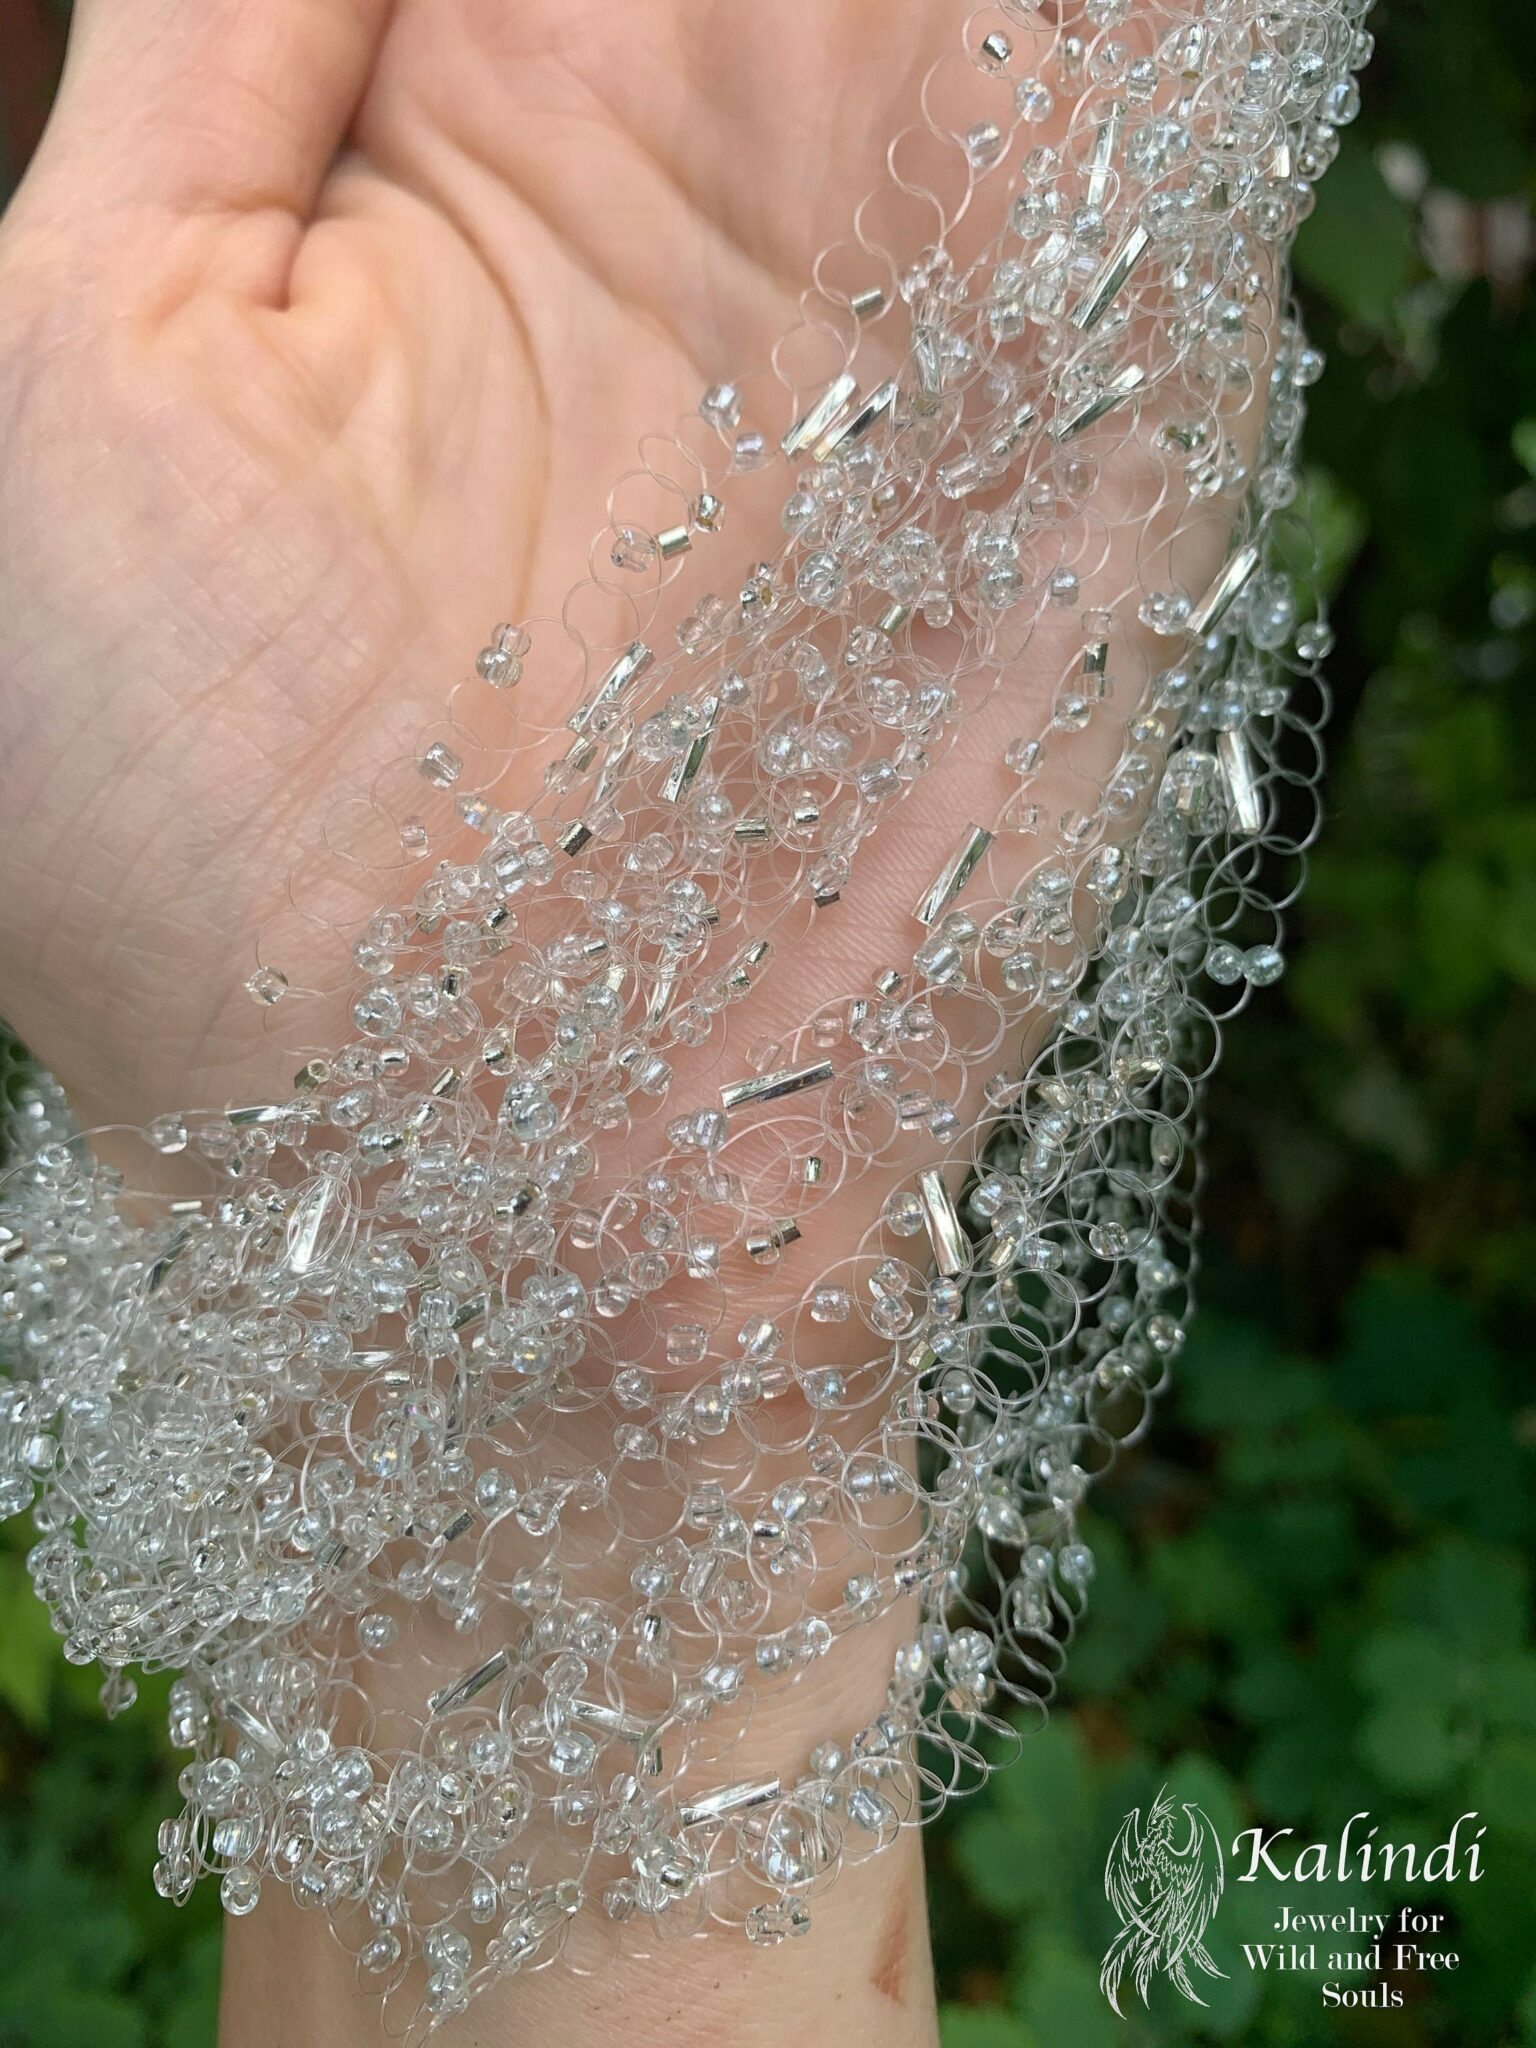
(1314, 1591)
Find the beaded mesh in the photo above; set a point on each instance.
(660, 1273)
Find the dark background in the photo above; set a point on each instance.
(1314, 1591)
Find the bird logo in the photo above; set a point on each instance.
(1165, 1895)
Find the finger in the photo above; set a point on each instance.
(210, 105)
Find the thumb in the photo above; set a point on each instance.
(207, 106)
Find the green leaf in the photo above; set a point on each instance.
(1358, 245)
(193, 2015)
(1233, 1377)
(982, 2026)
(1209, 1587)
(1457, 912)
(1059, 1998)
(1378, 1109)
(57, 2015)
(1509, 1690)
(1198, 1781)
(1474, 1595)
(1015, 1852)
(1339, 525)
(1270, 1684)
(1515, 929)
(29, 1649)
(1409, 1346)
(1411, 1744)
(1127, 1618)
(1435, 78)
(1408, 1661)
(1503, 1785)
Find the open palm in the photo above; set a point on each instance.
(324, 325)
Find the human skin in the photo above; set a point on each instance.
(322, 325)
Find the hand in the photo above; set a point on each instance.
(309, 318)
(320, 330)
(323, 327)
